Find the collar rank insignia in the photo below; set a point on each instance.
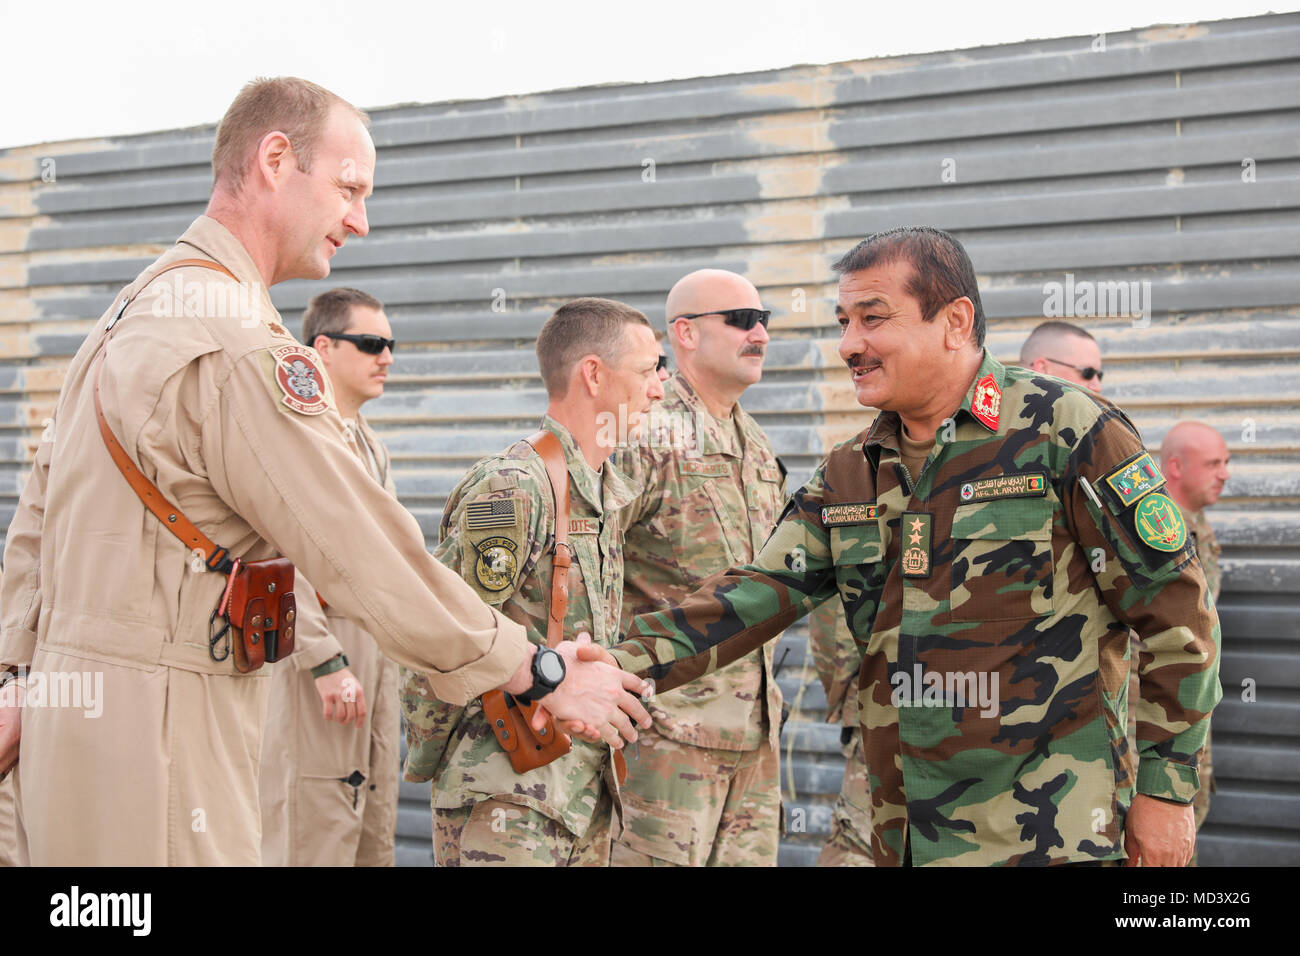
(1133, 479)
(986, 403)
(1159, 523)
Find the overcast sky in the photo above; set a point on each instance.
(76, 70)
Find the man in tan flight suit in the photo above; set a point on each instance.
(235, 423)
(329, 779)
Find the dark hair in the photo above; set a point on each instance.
(579, 328)
(941, 270)
(332, 311)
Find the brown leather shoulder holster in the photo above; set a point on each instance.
(258, 603)
(511, 719)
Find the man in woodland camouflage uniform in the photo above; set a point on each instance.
(597, 357)
(992, 537)
(704, 787)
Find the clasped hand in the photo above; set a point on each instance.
(597, 700)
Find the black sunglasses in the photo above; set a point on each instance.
(370, 344)
(1087, 371)
(663, 363)
(741, 318)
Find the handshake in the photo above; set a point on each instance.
(597, 700)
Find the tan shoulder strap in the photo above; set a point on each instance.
(548, 446)
(172, 519)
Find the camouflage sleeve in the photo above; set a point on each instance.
(737, 610)
(837, 658)
(644, 471)
(490, 537)
(1140, 557)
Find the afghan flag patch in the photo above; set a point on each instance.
(1159, 523)
(1135, 478)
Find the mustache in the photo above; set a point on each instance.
(858, 363)
(753, 350)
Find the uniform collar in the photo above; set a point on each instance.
(989, 382)
(712, 436)
(217, 242)
(608, 490)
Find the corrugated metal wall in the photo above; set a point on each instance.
(1167, 155)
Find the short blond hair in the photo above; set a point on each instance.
(298, 108)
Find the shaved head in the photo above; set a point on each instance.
(707, 289)
(1062, 349)
(719, 360)
(1194, 458)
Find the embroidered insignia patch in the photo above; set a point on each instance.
(915, 529)
(772, 474)
(300, 379)
(1159, 523)
(707, 470)
(986, 403)
(1135, 478)
(498, 513)
(496, 565)
(837, 516)
(583, 526)
(1005, 486)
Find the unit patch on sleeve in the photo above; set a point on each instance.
(496, 565)
(300, 379)
(1133, 479)
(1159, 523)
(837, 516)
(1032, 485)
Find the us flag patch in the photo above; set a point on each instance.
(490, 514)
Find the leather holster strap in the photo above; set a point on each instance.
(171, 517)
(548, 447)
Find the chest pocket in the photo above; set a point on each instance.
(856, 552)
(1002, 560)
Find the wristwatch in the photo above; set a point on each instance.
(548, 671)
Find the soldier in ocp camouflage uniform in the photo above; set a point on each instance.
(837, 659)
(992, 537)
(498, 533)
(703, 788)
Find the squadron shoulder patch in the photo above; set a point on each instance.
(1135, 478)
(300, 379)
(496, 565)
(1031, 485)
(837, 516)
(1159, 523)
(986, 403)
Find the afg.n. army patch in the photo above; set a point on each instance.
(299, 379)
(1133, 479)
(496, 565)
(1031, 485)
(1159, 523)
(856, 512)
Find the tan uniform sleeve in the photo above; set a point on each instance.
(20, 593)
(291, 477)
(313, 642)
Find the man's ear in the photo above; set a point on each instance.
(684, 334)
(960, 317)
(1038, 365)
(591, 373)
(275, 158)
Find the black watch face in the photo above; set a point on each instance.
(551, 666)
